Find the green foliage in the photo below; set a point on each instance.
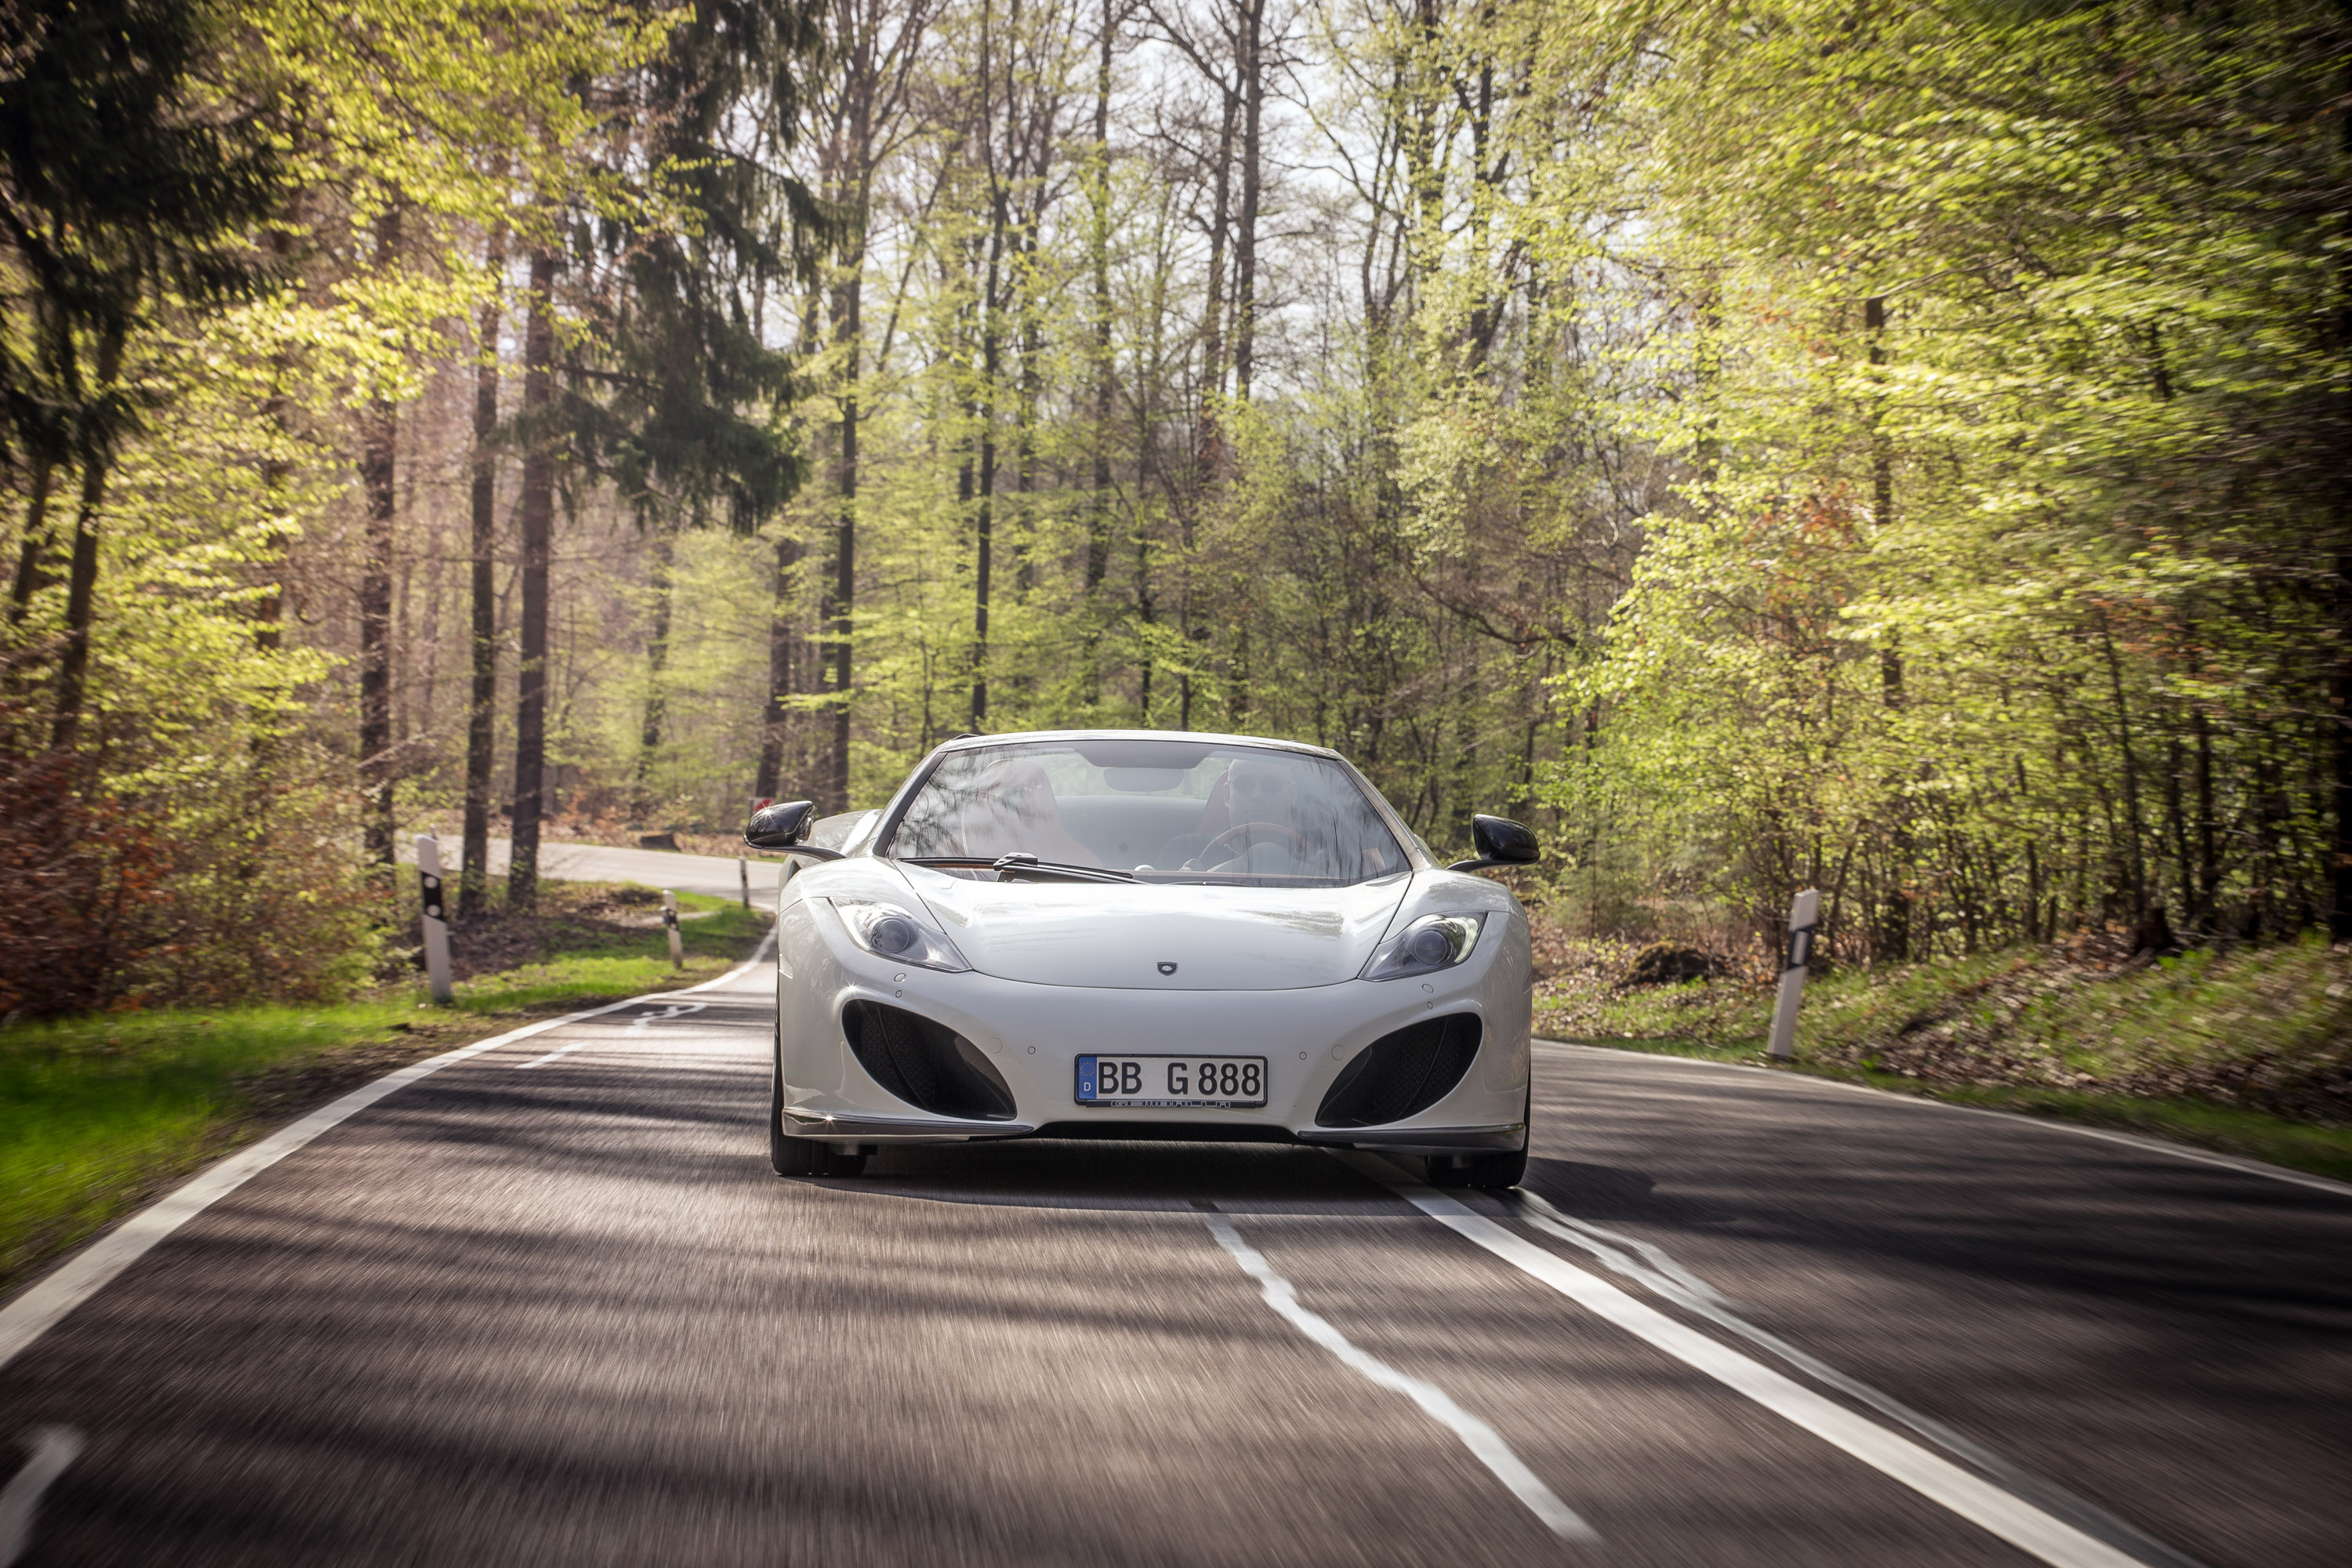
(2006, 527)
(2264, 1029)
(202, 204)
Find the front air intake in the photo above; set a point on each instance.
(926, 1063)
(1402, 1074)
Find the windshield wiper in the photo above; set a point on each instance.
(1022, 867)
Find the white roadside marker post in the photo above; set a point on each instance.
(743, 871)
(1802, 916)
(669, 918)
(436, 927)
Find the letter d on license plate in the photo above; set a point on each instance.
(1171, 1082)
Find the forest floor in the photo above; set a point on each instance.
(2248, 1051)
(100, 1114)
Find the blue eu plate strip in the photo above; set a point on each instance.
(1086, 1078)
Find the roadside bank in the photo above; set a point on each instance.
(2247, 1051)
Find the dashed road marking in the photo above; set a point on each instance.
(1484, 1443)
(638, 1026)
(53, 1448)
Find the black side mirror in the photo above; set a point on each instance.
(780, 827)
(1499, 842)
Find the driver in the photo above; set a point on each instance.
(1259, 794)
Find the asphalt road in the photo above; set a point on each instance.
(573, 862)
(548, 1306)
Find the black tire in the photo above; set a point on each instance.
(1487, 1172)
(789, 1156)
(799, 1156)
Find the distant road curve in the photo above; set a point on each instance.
(713, 874)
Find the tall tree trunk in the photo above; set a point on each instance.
(650, 735)
(847, 327)
(35, 546)
(983, 539)
(379, 451)
(2135, 861)
(482, 700)
(81, 573)
(537, 517)
(1030, 389)
(1208, 442)
(775, 714)
(1099, 256)
(379, 445)
(2339, 922)
(1424, 176)
(1252, 86)
(1484, 173)
(1895, 941)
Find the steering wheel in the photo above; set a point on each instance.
(1302, 850)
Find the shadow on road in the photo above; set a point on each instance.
(1241, 1178)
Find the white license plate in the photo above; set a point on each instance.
(1165, 1082)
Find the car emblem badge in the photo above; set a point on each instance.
(1166, 968)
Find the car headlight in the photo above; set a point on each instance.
(888, 931)
(1431, 942)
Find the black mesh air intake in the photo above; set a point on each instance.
(925, 1064)
(1402, 1074)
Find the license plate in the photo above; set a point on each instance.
(1168, 1082)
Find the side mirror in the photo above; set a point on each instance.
(780, 827)
(1499, 842)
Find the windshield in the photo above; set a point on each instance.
(1174, 811)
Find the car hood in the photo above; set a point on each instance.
(1161, 936)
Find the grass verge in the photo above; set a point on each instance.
(100, 1114)
(2247, 1052)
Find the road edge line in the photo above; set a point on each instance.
(1979, 1501)
(2240, 1163)
(89, 1270)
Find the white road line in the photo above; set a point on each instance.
(2014, 1117)
(53, 1447)
(1687, 1290)
(638, 1026)
(87, 1272)
(1481, 1439)
(2015, 1520)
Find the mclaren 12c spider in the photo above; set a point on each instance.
(1137, 934)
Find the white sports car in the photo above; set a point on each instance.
(1137, 934)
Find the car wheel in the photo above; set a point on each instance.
(788, 1156)
(799, 1156)
(1487, 1172)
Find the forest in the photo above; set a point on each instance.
(1888, 447)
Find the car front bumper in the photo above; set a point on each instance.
(1033, 1036)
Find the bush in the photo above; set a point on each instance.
(246, 889)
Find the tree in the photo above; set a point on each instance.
(120, 180)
